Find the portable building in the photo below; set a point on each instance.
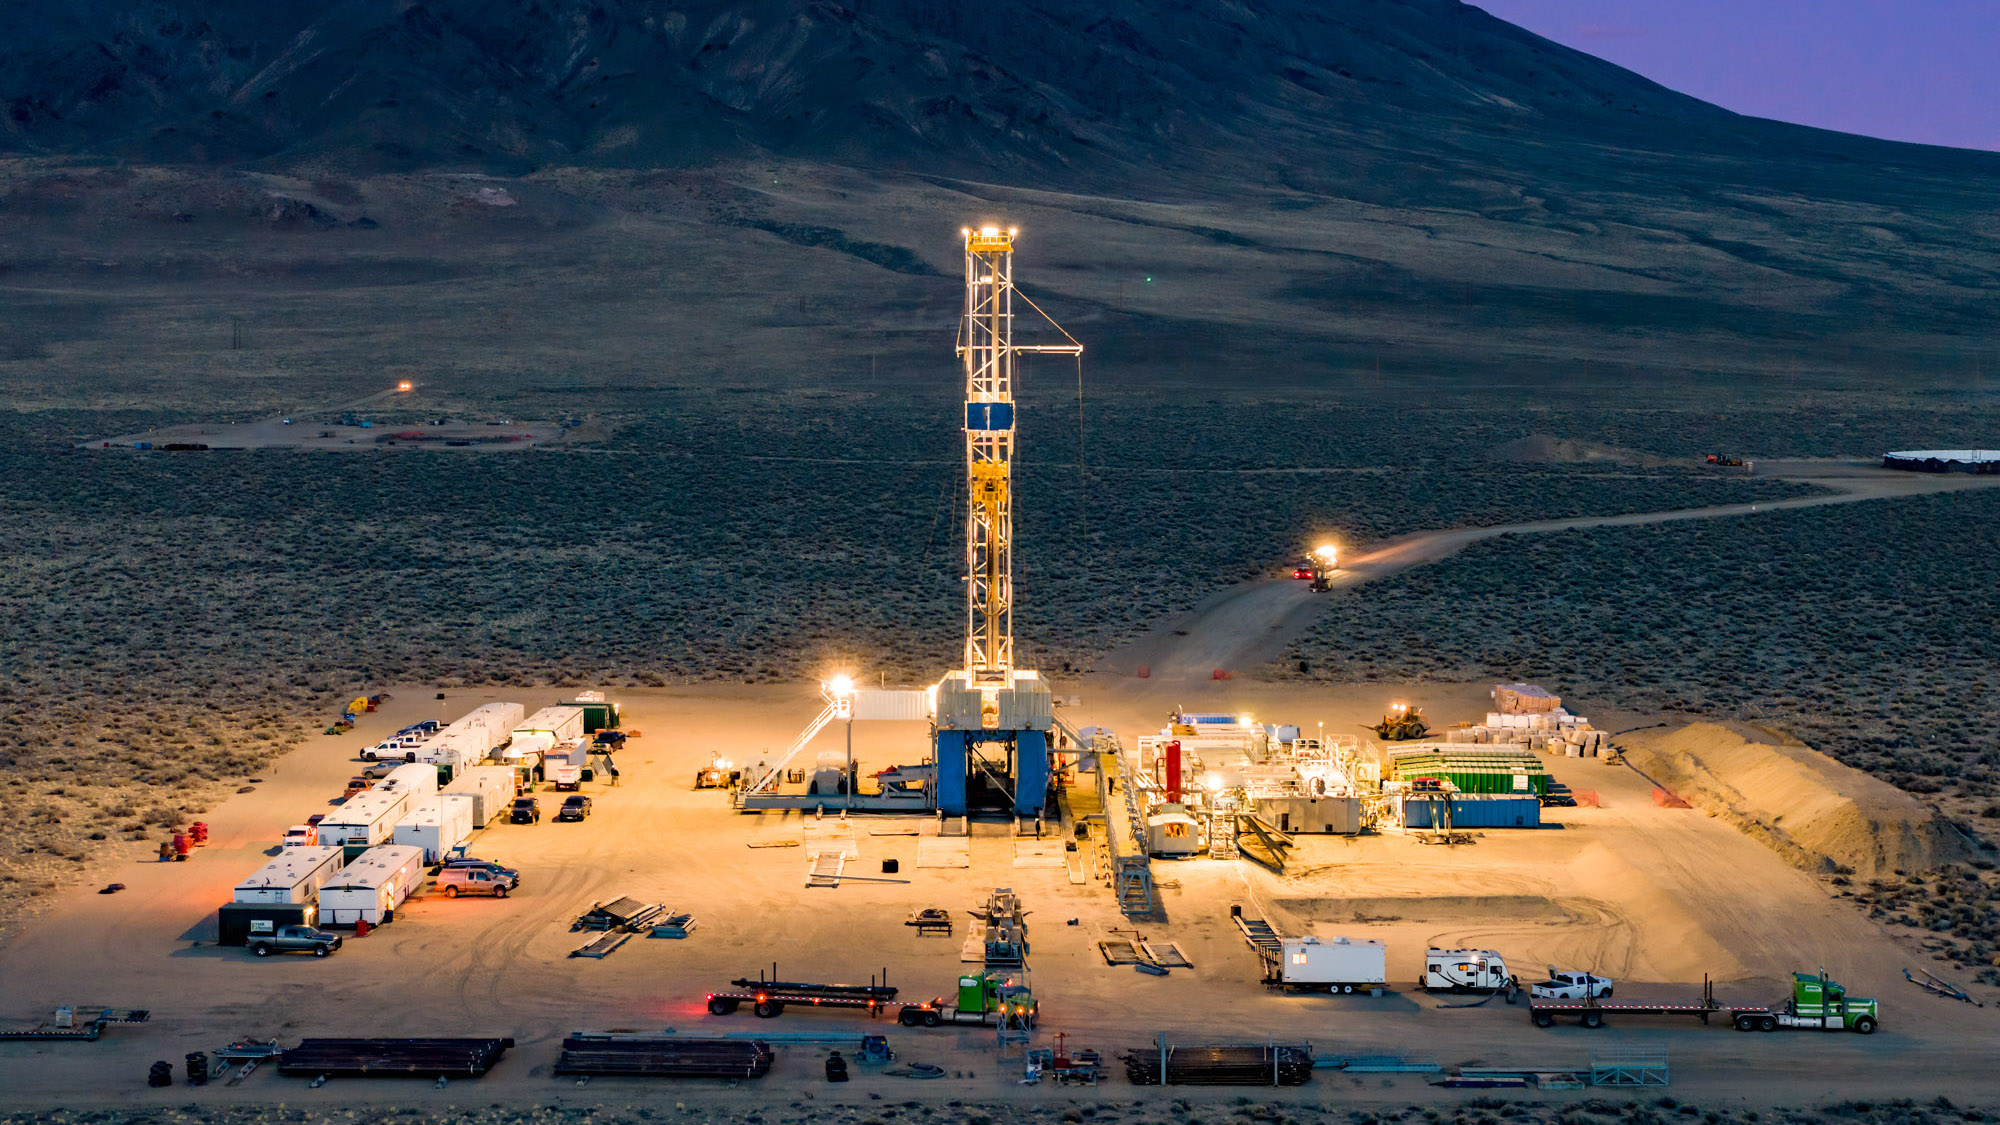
(372, 887)
(367, 818)
(237, 922)
(436, 824)
(1334, 816)
(1171, 832)
(418, 779)
(294, 875)
(1472, 810)
(1337, 964)
(599, 713)
(473, 736)
(548, 729)
(491, 789)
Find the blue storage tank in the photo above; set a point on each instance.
(1477, 810)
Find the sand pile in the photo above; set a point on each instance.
(1818, 814)
(1544, 449)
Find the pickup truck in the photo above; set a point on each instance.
(296, 939)
(1570, 986)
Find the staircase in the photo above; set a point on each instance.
(1132, 868)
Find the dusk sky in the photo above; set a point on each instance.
(1908, 70)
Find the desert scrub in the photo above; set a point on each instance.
(1868, 630)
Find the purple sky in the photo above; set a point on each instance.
(1908, 70)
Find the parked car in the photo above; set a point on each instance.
(424, 729)
(576, 806)
(402, 748)
(610, 738)
(380, 770)
(1570, 986)
(359, 784)
(455, 881)
(315, 818)
(302, 835)
(296, 939)
(526, 810)
(484, 865)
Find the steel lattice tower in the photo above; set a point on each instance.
(986, 344)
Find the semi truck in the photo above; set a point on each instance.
(984, 998)
(1465, 970)
(1336, 964)
(1818, 1002)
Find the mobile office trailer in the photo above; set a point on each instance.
(549, 729)
(491, 789)
(474, 735)
(372, 887)
(418, 779)
(368, 818)
(436, 824)
(294, 876)
(1465, 970)
(1335, 964)
(237, 922)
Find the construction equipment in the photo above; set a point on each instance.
(987, 998)
(1403, 723)
(1726, 461)
(874, 1051)
(1006, 929)
(1063, 1066)
(1319, 567)
(1817, 1002)
(718, 774)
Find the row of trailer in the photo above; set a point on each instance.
(362, 861)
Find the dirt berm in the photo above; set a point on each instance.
(1818, 814)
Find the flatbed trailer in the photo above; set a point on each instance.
(1810, 1008)
(769, 998)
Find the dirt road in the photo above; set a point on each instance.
(1249, 624)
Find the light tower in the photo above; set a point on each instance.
(991, 701)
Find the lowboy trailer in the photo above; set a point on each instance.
(769, 998)
(1818, 1003)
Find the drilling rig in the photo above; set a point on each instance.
(992, 719)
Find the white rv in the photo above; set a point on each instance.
(1465, 970)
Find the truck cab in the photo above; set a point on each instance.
(985, 998)
(1820, 1003)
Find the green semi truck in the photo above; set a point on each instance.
(1818, 1003)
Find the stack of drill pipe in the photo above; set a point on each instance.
(370, 1058)
(664, 1057)
(1257, 1065)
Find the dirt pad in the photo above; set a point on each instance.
(1545, 449)
(1818, 814)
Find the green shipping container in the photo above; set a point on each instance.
(1477, 772)
(597, 716)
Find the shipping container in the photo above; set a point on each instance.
(436, 824)
(372, 887)
(491, 789)
(599, 713)
(237, 922)
(1337, 964)
(294, 875)
(1473, 769)
(1473, 810)
(366, 819)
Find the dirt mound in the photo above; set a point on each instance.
(1546, 449)
(1818, 814)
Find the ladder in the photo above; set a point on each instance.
(1132, 868)
(826, 869)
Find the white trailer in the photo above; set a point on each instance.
(491, 789)
(372, 887)
(473, 735)
(548, 729)
(1334, 964)
(366, 818)
(418, 779)
(1465, 970)
(436, 824)
(295, 875)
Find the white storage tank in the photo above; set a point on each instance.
(491, 789)
(436, 824)
(372, 887)
(367, 818)
(295, 875)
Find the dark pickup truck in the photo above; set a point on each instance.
(295, 939)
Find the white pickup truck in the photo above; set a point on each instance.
(1570, 986)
